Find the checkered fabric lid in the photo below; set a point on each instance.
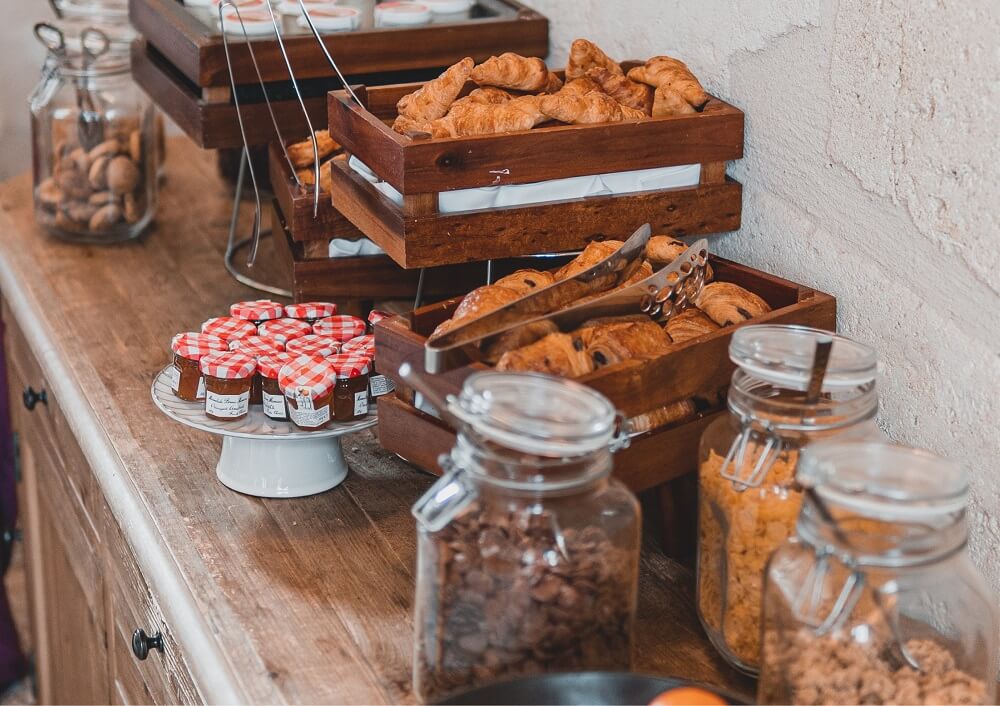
(375, 316)
(268, 342)
(310, 310)
(365, 345)
(195, 346)
(256, 349)
(350, 365)
(317, 346)
(229, 328)
(307, 377)
(285, 329)
(230, 365)
(341, 328)
(259, 310)
(270, 364)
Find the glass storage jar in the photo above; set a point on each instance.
(94, 153)
(875, 600)
(748, 499)
(528, 550)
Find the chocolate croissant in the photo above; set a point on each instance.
(471, 119)
(624, 90)
(673, 73)
(594, 107)
(300, 154)
(555, 354)
(585, 55)
(524, 282)
(594, 253)
(642, 339)
(432, 100)
(513, 71)
(667, 101)
(727, 303)
(520, 337)
(661, 250)
(688, 324)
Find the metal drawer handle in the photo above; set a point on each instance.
(143, 643)
(32, 398)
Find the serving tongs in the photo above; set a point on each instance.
(659, 296)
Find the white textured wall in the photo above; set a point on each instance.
(871, 172)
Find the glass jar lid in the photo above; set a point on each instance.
(536, 414)
(783, 356)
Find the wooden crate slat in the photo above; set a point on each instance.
(296, 205)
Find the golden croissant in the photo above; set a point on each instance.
(727, 303)
(688, 324)
(432, 100)
(593, 107)
(512, 71)
(585, 55)
(485, 119)
(624, 90)
(673, 73)
(301, 153)
(667, 101)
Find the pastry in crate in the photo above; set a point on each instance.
(518, 93)
(302, 157)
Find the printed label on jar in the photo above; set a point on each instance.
(304, 403)
(201, 389)
(227, 405)
(310, 417)
(274, 406)
(360, 403)
(173, 376)
(381, 385)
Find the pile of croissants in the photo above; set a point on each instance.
(518, 93)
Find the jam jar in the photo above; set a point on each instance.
(748, 496)
(313, 345)
(229, 328)
(272, 398)
(284, 329)
(310, 312)
(350, 399)
(228, 382)
(257, 311)
(307, 384)
(875, 600)
(527, 548)
(255, 347)
(374, 316)
(185, 375)
(342, 327)
(378, 384)
(257, 342)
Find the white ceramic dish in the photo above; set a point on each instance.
(332, 18)
(401, 14)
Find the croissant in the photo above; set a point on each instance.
(667, 101)
(308, 177)
(487, 95)
(662, 249)
(477, 303)
(300, 154)
(673, 73)
(514, 71)
(434, 98)
(624, 90)
(637, 340)
(414, 129)
(585, 55)
(520, 337)
(689, 324)
(594, 107)
(662, 416)
(579, 86)
(484, 119)
(727, 303)
(585, 335)
(555, 84)
(526, 281)
(555, 354)
(592, 254)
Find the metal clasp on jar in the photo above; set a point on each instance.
(771, 446)
(444, 500)
(811, 595)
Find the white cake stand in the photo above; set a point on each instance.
(263, 457)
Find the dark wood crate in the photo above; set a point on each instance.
(296, 205)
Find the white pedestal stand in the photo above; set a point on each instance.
(263, 457)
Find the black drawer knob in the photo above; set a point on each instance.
(32, 398)
(143, 643)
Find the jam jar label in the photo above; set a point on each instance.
(274, 406)
(201, 389)
(227, 405)
(173, 376)
(310, 417)
(381, 385)
(360, 403)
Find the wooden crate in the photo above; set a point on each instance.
(416, 235)
(190, 40)
(296, 206)
(699, 368)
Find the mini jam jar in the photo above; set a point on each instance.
(378, 384)
(228, 379)
(350, 398)
(374, 316)
(310, 312)
(229, 328)
(340, 328)
(256, 347)
(313, 345)
(268, 368)
(284, 329)
(185, 375)
(307, 384)
(256, 312)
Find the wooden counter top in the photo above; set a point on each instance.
(304, 600)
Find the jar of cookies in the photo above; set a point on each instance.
(748, 497)
(527, 549)
(875, 600)
(93, 132)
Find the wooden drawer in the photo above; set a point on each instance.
(163, 677)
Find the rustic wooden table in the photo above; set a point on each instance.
(305, 600)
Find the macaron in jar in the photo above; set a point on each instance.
(307, 384)
(185, 374)
(228, 380)
(272, 398)
(350, 396)
(342, 327)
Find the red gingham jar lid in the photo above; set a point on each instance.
(270, 364)
(307, 377)
(259, 310)
(341, 328)
(230, 365)
(375, 316)
(255, 349)
(229, 328)
(311, 344)
(365, 345)
(257, 341)
(195, 346)
(350, 365)
(310, 310)
(285, 329)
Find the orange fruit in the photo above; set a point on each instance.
(687, 696)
